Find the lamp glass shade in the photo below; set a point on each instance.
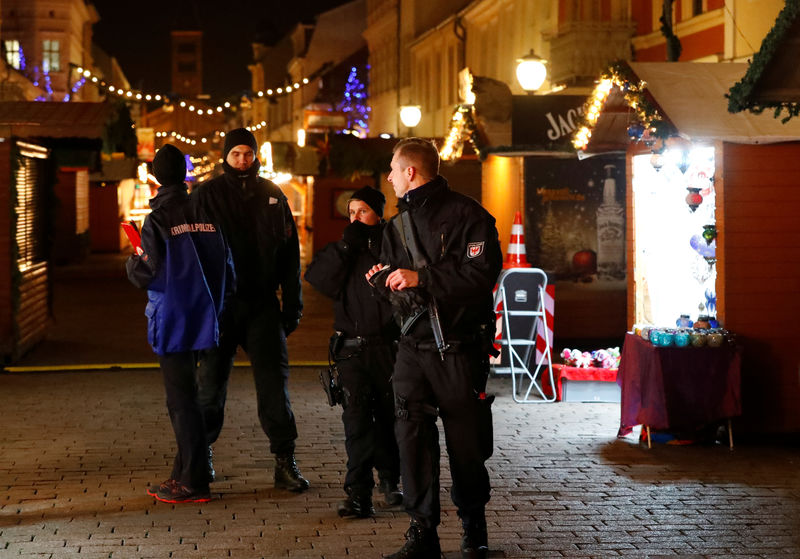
(410, 115)
(531, 72)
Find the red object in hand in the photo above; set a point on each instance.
(133, 236)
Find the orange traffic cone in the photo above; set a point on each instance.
(515, 257)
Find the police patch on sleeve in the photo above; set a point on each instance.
(474, 249)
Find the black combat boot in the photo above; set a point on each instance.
(287, 475)
(212, 475)
(356, 505)
(421, 543)
(392, 496)
(475, 542)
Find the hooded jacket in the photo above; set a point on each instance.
(187, 271)
(258, 225)
(338, 272)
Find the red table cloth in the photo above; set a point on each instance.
(677, 387)
(576, 373)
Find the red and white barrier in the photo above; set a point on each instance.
(544, 343)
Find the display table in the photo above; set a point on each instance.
(677, 387)
(561, 372)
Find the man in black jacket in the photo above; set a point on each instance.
(441, 257)
(363, 351)
(257, 223)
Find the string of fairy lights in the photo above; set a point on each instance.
(204, 139)
(193, 106)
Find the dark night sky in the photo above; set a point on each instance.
(138, 35)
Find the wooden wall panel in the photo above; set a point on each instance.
(759, 261)
(6, 329)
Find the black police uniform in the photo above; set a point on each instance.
(364, 355)
(257, 223)
(459, 241)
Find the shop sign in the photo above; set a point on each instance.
(545, 120)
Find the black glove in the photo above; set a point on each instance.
(409, 301)
(290, 321)
(356, 235)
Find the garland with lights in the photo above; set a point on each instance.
(634, 91)
(740, 96)
(135, 95)
(463, 125)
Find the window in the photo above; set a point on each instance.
(697, 7)
(187, 67)
(186, 48)
(51, 55)
(12, 50)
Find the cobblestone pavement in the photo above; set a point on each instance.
(79, 448)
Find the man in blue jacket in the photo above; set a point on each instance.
(187, 270)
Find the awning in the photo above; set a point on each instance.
(691, 96)
(53, 120)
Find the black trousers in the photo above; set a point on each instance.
(190, 466)
(260, 333)
(368, 416)
(425, 385)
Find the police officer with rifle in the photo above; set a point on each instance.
(440, 260)
(362, 354)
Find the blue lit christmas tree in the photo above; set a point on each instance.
(354, 103)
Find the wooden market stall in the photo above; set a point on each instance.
(711, 225)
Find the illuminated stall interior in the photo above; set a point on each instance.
(711, 216)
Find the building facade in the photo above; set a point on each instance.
(45, 40)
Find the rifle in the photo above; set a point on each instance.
(408, 235)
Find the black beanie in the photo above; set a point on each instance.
(372, 197)
(169, 165)
(239, 137)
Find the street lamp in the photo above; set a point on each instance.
(410, 115)
(531, 72)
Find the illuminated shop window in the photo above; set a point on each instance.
(675, 251)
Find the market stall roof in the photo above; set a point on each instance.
(772, 80)
(53, 120)
(691, 97)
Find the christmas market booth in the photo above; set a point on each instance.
(47, 151)
(572, 208)
(711, 229)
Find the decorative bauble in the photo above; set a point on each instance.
(635, 131)
(709, 233)
(704, 249)
(694, 198)
(657, 161)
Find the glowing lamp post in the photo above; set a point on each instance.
(531, 72)
(410, 116)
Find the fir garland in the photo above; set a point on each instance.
(740, 95)
(621, 75)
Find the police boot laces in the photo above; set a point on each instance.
(287, 474)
